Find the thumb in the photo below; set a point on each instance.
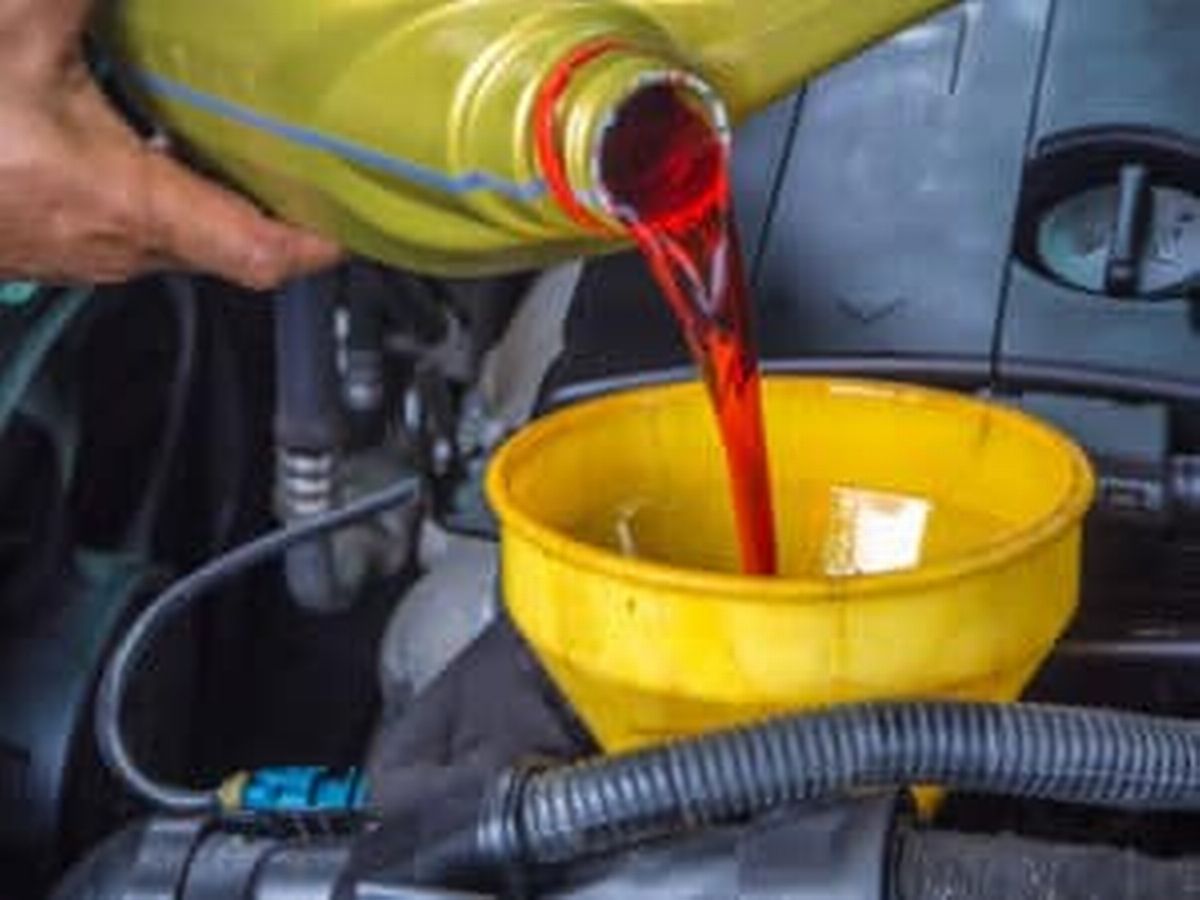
(195, 224)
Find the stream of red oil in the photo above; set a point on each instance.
(666, 167)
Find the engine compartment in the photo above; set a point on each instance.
(898, 225)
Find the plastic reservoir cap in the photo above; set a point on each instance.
(1114, 212)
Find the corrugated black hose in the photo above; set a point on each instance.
(536, 818)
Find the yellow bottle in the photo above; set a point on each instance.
(406, 128)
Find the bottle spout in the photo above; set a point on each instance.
(608, 130)
(756, 51)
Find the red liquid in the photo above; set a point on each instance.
(667, 170)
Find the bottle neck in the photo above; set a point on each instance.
(586, 124)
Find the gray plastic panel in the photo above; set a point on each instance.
(1122, 62)
(893, 228)
(1049, 325)
(890, 228)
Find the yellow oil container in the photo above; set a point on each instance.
(408, 129)
(929, 548)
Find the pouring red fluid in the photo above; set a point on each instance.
(665, 168)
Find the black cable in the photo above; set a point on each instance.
(132, 648)
(182, 293)
(1097, 757)
(959, 372)
(227, 427)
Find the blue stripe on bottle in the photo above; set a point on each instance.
(366, 156)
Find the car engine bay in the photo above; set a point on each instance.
(938, 210)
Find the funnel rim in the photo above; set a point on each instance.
(1075, 500)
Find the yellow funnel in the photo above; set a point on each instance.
(929, 547)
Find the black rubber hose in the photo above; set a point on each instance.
(165, 608)
(1052, 753)
(309, 430)
(308, 413)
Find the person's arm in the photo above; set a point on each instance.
(83, 199)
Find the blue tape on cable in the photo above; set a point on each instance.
(298, 789)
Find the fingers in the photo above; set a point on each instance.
(43, 36)
(83, 199)
(197, 225)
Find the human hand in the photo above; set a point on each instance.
(83, 198)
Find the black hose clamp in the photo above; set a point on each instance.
(500, 835)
